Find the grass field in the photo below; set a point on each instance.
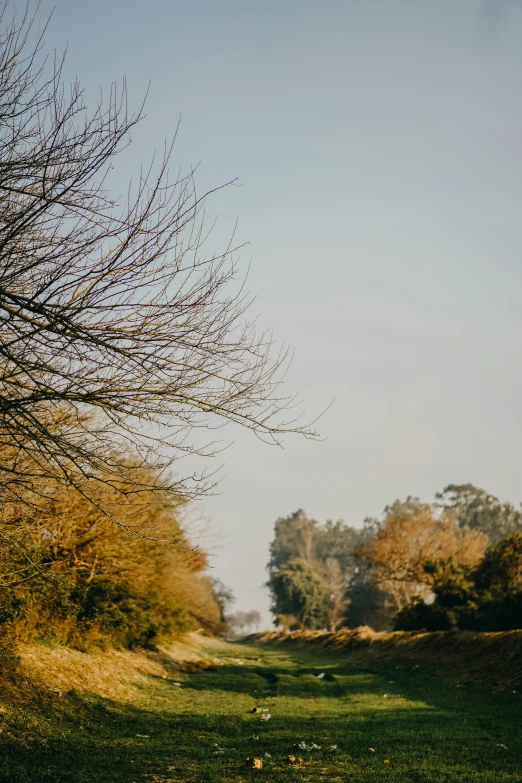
(420, 729)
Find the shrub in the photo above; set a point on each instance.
(500, 614)
(93, 583)
(54, 608)
(427, 617)
(486, 598)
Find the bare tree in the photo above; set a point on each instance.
(253, 620)
(119, 335)
(243, 622)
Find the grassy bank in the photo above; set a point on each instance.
(487, 660)
(184, 715)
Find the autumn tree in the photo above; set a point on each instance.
(484, 597)
(120, 333)
(77, 577)
(410, 535)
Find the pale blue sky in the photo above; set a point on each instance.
(379, 147)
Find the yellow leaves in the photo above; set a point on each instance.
(412, 534)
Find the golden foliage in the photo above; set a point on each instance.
(410, 536)
(139, 551)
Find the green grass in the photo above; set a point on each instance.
(428, 731)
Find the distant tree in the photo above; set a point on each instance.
(329, 548)
(366, 604)
(335, 540)
(237, 622)
(475, 509)
(253, 620)
(500, 571)
(298, 589)
(294, 537)
(410, 535)
(223, 596)
(244, 622)
(487, 597)
(375, 571)
(299, 536)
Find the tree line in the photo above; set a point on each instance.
(452, 563)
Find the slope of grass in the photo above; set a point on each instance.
(419, 728)
(490, 660)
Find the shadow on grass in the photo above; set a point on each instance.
(264, 683)
(420, 744)
(424, 730)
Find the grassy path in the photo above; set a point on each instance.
(420, 729)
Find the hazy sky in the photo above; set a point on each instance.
(379, 148)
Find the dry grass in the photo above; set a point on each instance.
(119, 675)
(114, 675)
(488, 659)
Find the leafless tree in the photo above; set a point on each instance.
(243, 622)
(119, 334)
